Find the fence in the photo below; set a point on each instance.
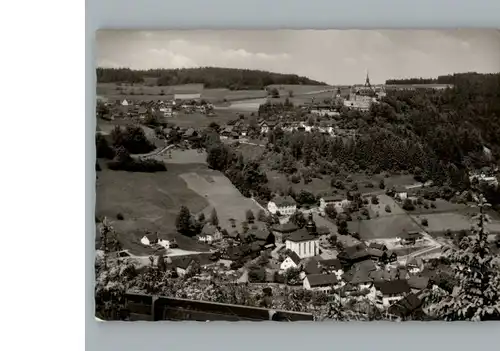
(156, 308)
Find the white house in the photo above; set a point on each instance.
(338, 201)
(303, 243)
(285, 205)
(155, 238)
(392, 291)
(181, 264)
(209, 234)
(415, 265)
(401, 192)
(291, 261)
(320, 282)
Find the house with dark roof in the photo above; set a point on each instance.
(418, 283)
(409, 306)
(284, 205)
(281, 231)
(180, 264)
(409, 237)
(291, 261)
(262, 236)
(320, 282)
(332, 266)
(352, 254)
(391, 291)
(209, 234)
(378, 246)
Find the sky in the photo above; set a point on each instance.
(331, 56)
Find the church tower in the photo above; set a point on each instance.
(311, 226)
(367, 81)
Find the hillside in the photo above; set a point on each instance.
(211, 77)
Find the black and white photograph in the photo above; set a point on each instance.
(297, 175)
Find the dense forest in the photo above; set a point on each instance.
(211, 77)
(447, 79)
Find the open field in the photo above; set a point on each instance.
(439, 223)
(441, 207)
(178, 156)
(278, 182)
(147, 201)
(383, 227)
(383, 201)
(221, 195)
(113, 91)
(299, 89)
(199, 120)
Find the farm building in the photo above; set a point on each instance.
(320, 282)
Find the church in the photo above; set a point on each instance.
(305, 241)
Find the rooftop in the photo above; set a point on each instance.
(282, 201)
(301, 235)
(321, 279)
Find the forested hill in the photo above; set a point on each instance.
(447, 79)
(211, 77)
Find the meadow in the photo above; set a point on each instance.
(221, 195)
(146, 201)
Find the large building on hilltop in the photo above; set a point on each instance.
(362, 97)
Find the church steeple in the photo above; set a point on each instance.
(367, 81)
(311, 226)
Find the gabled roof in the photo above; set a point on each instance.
(152, 236)
(418, 282)
(311, 267)
(415, 262)
(321, 279)
(378, 246)
(294, 257)
(182, 262)
(375, 252)
(208, 229)
(405, 306)
(285, 228)
(142, 110)
(282, 201)
(332, 263)
(259, 234)
(393, 287)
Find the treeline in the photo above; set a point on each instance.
(211, 77)
(446, 79)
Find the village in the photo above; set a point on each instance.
(378, 242)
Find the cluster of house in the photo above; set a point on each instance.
(361, 269)
(240, 128)
(139, 109)
(158, 108)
